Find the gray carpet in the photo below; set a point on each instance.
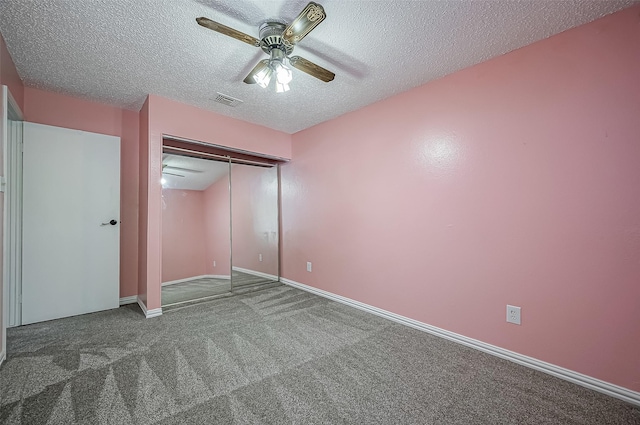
(276, 356)
(206, 288)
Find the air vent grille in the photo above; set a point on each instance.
(227, 100)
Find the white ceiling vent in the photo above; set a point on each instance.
(227, 100)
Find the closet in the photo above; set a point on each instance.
(220, 223)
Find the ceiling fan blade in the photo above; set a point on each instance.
(172, 174)
(308, 19)
(311, 68)
(189, 170)
(259, 67)
(223, 29)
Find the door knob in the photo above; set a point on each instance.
(112, 222)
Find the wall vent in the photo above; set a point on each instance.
(227, 100)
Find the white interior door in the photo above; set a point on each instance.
(71, 186)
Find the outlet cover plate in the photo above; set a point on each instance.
(309, 266)
(513, 314)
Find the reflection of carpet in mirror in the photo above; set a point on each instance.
(208, 287)
(241, 279)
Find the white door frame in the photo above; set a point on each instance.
(11, 184)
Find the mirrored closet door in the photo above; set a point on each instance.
(196, 247)
(254, 225)
(220, 222)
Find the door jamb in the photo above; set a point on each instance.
(12, 219)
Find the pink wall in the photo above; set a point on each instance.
(65, 111)
(9, 75)
(144, 203)
(167, 117)
(511, 182)
(47, 107)
(173, 118)
(255, 218)
(183, 234)
(129, 188)
(217, 230)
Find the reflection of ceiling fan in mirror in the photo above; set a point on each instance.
(184, 172)
(166, 173)
(169, 169)
(277, 39)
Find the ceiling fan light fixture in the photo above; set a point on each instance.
(283, 73)
(281, 88)
(274, 68)
(263, 77)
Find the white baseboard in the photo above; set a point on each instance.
(204, 276)
(612, 390)
(129, 300)
(149, 313)
(255, 273)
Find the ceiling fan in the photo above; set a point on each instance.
(178, 169)
(168, 173)
(277, 39)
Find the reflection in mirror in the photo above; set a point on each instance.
(196, 248)
(254, 218)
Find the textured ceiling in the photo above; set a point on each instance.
(118, 51)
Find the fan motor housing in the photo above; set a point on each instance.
(271, 37)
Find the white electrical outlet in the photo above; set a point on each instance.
(308, 266)
(214, 263)
(260, 257)
(513, 314)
